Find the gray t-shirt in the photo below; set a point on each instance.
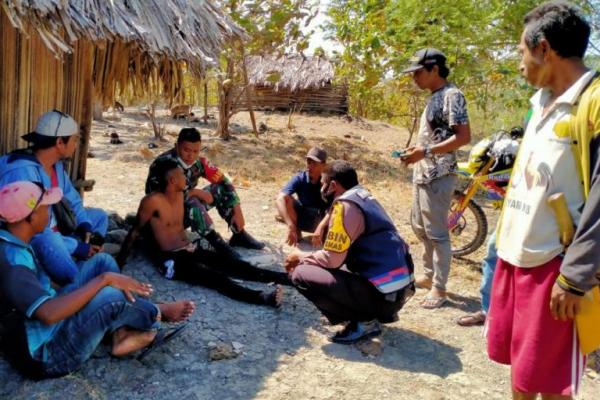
(445, 109)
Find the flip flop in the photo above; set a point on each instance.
(431, 303)
(474, 319)
(162, 337)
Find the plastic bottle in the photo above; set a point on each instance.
(169, 269)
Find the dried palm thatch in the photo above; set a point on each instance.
(290, 72)
(65, 53)
(191, 31)
(294, 83)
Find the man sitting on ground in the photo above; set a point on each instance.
(305, 213)
(219, 193)
(378, 278)
(161, 213)
(52, 334)
(68, 234)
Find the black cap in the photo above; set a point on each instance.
(423, 57)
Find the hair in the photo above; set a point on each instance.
(189, 135)
(342, 172)
(443, 70)
(40, 142)
(162, 168)
(562, 24)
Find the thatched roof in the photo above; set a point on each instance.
(291, 72)
(191, 31)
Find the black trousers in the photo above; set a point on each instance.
(345, 296)
(212, 270)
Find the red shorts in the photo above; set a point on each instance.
(543, 352)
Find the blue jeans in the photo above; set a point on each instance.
(488, 266)
(54, 250)
(80, 334)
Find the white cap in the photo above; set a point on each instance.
(53, 124)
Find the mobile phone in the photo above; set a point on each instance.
(398, 153)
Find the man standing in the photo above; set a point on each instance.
(68, 234)
(219, 193)
(539, 283)
(444, 127)
(305, 213)
(378, 277)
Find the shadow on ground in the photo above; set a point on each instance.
(406, 351)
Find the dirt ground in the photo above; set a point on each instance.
(281, 354)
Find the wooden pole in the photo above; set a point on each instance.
(248, 94)
(86, 55)
(205, 100)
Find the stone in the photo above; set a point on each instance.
(371, 347)
(221, 351)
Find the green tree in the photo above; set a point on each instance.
(479, 38)
(273, 27)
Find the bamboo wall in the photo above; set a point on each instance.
(330, 98)
(33, 81)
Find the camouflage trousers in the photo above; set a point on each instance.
(225, 199)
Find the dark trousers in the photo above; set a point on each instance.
(344, 296)
(308, 218)
(209, 269)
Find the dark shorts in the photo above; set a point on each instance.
(308, 217)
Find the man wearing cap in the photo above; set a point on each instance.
(68, 234)
(377, 278)
(444, 127)
(305, 212)
(220, 192)
(52, 333)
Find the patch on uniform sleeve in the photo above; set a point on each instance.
(337, 240)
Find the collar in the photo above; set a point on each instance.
(570, 95)
(6, 236)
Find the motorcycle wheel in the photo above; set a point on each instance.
(471, 229)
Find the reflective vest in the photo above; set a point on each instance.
(379, 254)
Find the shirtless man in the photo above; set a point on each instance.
(163, 212)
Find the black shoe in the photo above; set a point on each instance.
(220, 246)
(243, 239)
(355, 331)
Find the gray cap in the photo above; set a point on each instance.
(53, 124)
(423, 57)
(317, 154)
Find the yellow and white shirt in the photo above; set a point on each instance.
(528, 234)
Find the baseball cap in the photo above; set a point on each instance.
(19, 199)
(53, 124)
(317, 154)
(423, 57)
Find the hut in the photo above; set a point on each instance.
(295, 82)
(63, 54)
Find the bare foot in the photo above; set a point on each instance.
(127, 341)
(423, 282)
(274, 298)
(177, 311)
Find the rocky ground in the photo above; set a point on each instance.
(233, 350)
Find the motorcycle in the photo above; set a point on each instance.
(487, 171)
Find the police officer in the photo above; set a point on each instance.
(377, 278)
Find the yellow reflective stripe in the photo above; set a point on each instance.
(337, 239)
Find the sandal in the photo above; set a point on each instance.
(162, 337)
(473, 319)
(431, 303)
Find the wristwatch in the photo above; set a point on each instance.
(427, 151)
